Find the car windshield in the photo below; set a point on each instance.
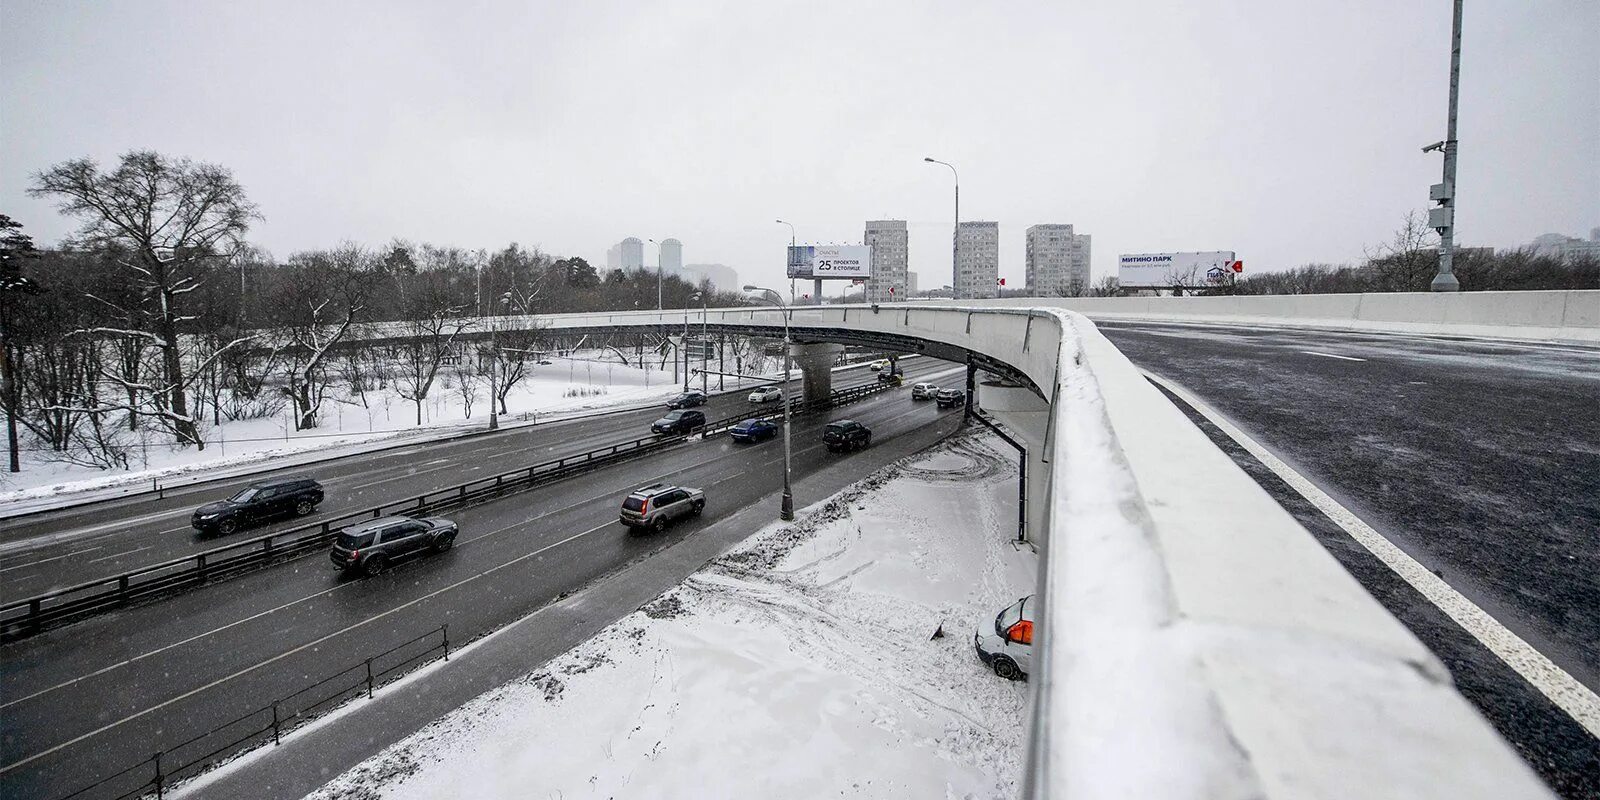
(633, 503)
(673, 416)
(1011, 616)
(245, 495)
(353, 541)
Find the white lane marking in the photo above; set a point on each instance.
(285, 654)
(1579, 701)
(1331, 355)
(123, 553)
(47, 539)
(47, 560)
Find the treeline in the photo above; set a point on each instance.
(1477, 270)
(159, 314)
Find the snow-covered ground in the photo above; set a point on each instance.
(587, 380)
(798, 665)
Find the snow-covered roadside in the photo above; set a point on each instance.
(800, 664)
(565, 389)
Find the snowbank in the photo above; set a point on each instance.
(798, 665)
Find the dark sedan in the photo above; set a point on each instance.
(679, 421)
(688, 399)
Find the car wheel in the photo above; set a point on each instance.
(697, 508)
(376, 565)
(226, 527)
(658, 525)
(1006, 668)
(304, 507)
(443, 543)
(867, 442)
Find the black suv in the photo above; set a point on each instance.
(689, 399)
(258, 502)
(678, 422)
(372, 546)
(846, 434)
(950, 398)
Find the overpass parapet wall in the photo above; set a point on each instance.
(1568, 316)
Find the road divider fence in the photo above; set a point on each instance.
(160, 773)
(28, 616)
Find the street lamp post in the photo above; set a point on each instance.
(955, 242)
(659, 307)
(786, 260)
(786, 510)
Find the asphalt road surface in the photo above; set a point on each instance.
(83, 701)
(1480, 459)
(76, 545)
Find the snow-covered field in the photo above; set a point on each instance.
(582, 382)
(801, 664)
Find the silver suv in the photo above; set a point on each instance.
(658, 504)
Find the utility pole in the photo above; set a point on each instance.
(1443, 217)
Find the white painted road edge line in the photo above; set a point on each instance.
(1331, 355)
(1570, 695)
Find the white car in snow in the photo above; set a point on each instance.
(766, 394)
(1006, 644)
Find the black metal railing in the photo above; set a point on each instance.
(22, 618)
(268, 724)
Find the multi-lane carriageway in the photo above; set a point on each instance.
(85, 700)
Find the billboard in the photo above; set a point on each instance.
(830, 261)
(1190, 270)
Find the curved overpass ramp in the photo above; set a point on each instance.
(1197, 641)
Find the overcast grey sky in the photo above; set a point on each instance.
(1288, 131)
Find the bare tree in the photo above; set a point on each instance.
(468, 378)
(430, 333)
(316, 306)
(1408, 261)
(172, 222)
(1109, 286)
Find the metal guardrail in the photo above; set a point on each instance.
(162, 770)
(22, 618)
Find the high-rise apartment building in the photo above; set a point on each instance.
(1057, 261)
(911, 284)
(671, 257)
(632, 253)
(890, 253)
(977, 260)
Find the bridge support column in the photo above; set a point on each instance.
(1027, 417)
(815, 362)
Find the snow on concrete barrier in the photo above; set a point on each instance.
(1200, 643)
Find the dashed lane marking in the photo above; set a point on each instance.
(1331, 355)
